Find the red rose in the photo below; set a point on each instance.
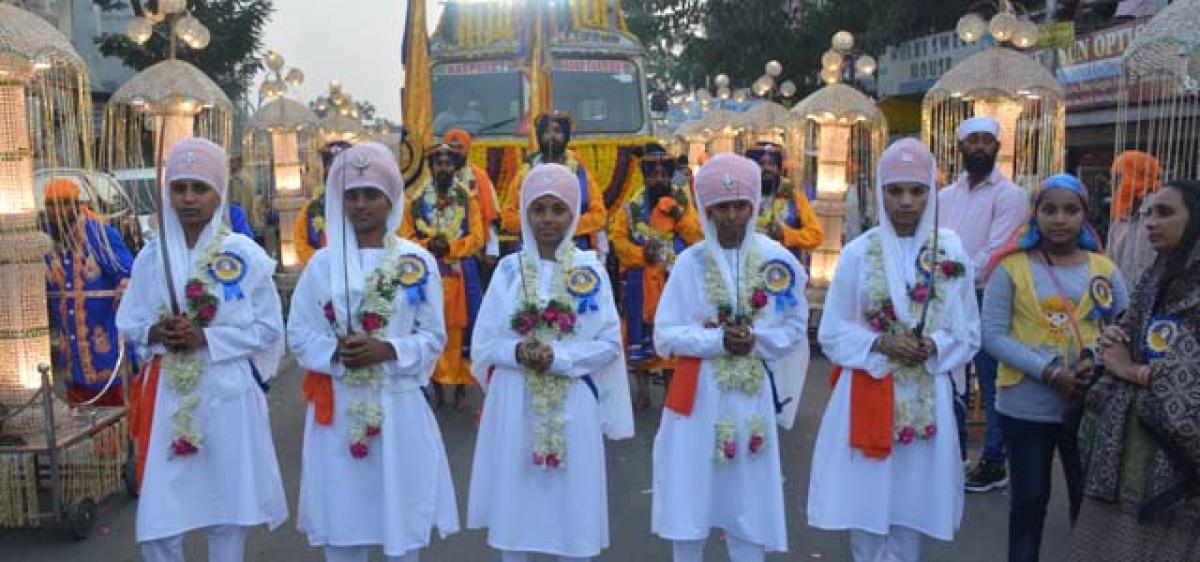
(876, 322)
(525, 323)
(565, 321)
(194, 290)
(758, 299)
(372, 321)
(373, 431)
(907, 434)
(949, 268)
(538, 459)
(729, 450)
(359, 450)
(930, 430)
(552, 461)
(207, 312)
(920, 293)
(756, 443)
(182, 447)
(330, 315)
(549, 314)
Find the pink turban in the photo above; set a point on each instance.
(368, 164)
(907, 160)
(200, 160)
(728, 177)
(551, 179)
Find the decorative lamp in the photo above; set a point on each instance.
(280, 150)
(1011, 87)
(45, 123)
(835, 137)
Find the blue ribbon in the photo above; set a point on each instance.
(415, 292)
(785, 301)
(232, 285)
(587, 303)
(784, 297)
(233, 291)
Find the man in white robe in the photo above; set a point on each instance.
(548, 353)
(200, 416)
(366, 322)
(886, 465)
(741, 362)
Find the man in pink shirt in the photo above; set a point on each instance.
(984, 209)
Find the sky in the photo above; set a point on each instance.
(356, 42)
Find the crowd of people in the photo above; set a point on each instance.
(455, 282)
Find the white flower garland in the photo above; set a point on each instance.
(737, 373)
(184, 368)
(547, 392)
(379, 300)
(914, 415)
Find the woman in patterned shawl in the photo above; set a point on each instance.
(1140, 436)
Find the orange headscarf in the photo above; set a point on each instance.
(1141, 174)
(60, 189)
(460, 136)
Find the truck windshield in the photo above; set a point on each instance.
(603, 96)
(482, 97)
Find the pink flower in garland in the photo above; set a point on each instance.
(207, 312)
(952, 268)
(930, 431)
(907, 435)
(759, 298)
(359, 450)
(372, 321)
(920, 293)
(565, 321)
(552, 461)
(538, 459)
(729, 449)
(182, 447)
(876, 322)
(756, 443)
(889, 310)
(373, 431)
(194, 290)
(525, 323)
(549, 315)
(330, 315)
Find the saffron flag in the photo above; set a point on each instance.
(418, 90)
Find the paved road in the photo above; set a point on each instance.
(982, 537)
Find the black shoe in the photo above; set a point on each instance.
(986, 476)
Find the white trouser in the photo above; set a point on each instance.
(901, 544)
(739, 550)
(226, 543)
(363, 553)
(512, 556)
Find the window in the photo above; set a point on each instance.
(603, 96)
(482, 97)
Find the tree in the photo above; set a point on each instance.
(231, 58)
(664, 26)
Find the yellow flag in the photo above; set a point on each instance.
(418, 92)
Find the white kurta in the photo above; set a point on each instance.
(402, 489)
(234, 478)
(562, 511)
(694, 492)
(920, 484)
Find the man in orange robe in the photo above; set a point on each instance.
(444, 217)
(785, 214)
(554, 137)
(480, 184)
(652, 226)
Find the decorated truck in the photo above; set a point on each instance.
(490, 58)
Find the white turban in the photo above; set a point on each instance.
(978, 125)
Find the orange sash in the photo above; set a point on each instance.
(872, 412)
(681, 395)
(143, 393)
(318, 389)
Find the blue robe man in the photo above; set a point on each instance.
(86, 272)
